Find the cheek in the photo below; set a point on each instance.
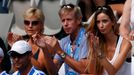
(109, 25)
(40, 28)
(25, 28)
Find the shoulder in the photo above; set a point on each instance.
(64, 40)
(3, 73)
(15, 73)
(36, 71)
(126, 44)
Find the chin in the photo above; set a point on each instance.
(67, 32)
(17, 67)
(30, 34)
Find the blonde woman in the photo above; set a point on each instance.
(34, 23)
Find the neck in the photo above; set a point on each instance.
(31, 41)
(74, 35)
(110, 38)
(25, 70)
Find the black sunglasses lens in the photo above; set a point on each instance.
(26, 22)
(34, 23)
(14, 55)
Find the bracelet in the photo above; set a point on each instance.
(63, 55)
(100, 55)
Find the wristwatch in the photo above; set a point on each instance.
(63, 55)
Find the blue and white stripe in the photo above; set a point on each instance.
(33, 71)
(3, 73)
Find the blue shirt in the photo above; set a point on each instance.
(3, 73)
(82, 51)
(33, 71)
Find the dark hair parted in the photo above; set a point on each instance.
(94, 29)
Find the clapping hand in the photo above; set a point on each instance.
(11, 38)
(131, 35)
(39, 40)
(94, 44)
(45, 42)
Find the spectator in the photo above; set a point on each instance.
(21, 54)
(71, 49)
(108, 50)
(34, 23)
(6, 63)
(127, 26)
(2, 72)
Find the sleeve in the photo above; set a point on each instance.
(56, 55)
(84, 49)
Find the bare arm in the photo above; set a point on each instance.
(120, 59)
(46, 58)
(118, 8)
(50, 66)
(78, 66)
(124, 27)
(124, 50)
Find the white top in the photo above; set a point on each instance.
(132, 15)
(125, 69)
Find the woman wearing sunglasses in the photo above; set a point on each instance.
(108, 50)
(34, 24)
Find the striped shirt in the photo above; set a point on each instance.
(33, 71)
(3, 73)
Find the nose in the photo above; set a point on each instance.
(15, 59)
(30, 25)
(65, 23)
(101, 25)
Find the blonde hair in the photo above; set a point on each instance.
(70, 8)
(37, 13)
(34, 12)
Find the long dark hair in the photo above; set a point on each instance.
(94, 29)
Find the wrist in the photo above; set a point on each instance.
(63, 55)
(100, 55)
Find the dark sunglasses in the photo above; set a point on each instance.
(33, 23)
(69, 6)
(15, 54)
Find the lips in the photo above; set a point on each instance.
(29, 30)
(17, 65)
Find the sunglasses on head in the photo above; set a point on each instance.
(33, 23)
(102, 8)
(69, 6)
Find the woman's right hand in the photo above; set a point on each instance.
(131, 35)
(11, 38)
(94, 44)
